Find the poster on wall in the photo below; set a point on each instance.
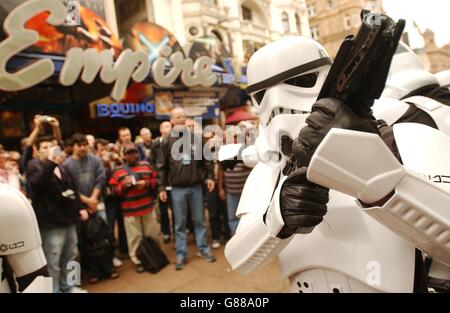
(203, 104)
(145, 36)
(213, 47)
(96, 6)
(85, 27)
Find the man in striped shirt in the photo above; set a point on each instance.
(133, 182)
(234, 180)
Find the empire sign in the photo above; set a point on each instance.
(87, 64)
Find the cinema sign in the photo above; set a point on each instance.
(87, 64)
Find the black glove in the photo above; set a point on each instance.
(327, 113)
(303, 204)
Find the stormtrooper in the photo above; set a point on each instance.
(328, 241)
(23, 266)
(426, 100)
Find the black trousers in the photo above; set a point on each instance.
(114, 214)
(164, 213)
(218, 218)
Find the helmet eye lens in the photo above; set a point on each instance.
(305, 81)
(259, 96)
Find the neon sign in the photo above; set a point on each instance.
(87, 64)
(124, 110)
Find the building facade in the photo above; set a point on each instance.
(436, 59)
(331, 21)
(238, 27)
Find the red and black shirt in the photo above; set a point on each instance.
(134, 202)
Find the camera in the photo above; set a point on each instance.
(46, 119)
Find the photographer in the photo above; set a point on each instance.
(39, 128)
(58, 208)
(133, 183)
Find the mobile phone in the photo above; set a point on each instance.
(133, 180)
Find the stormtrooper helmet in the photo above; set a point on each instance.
(406, 74)
(284, 80)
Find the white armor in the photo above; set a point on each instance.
(20, 240)
(407, 74)
(349, 251)
(444, 78)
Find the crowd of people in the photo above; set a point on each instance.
(135, 188)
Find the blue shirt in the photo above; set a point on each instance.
(87, 173)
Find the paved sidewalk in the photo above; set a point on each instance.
(197, 276)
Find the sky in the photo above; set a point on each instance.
(432, 14)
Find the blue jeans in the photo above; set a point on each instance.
(180, 197)
(60, 248)
(232, 204)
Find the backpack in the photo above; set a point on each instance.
(97, 244)
(150, 254)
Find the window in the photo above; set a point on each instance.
(285, 20)
(246, 13)
(330, 4)
(315, 32)
(347, 22)
(298, 23)
(311, 10)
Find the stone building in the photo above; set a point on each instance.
(237, 28)
(331, 21)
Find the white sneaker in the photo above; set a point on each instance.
(216, 244)
(117, 262)
(76, 289)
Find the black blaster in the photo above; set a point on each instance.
(359, 71)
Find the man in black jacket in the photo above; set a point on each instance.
(180, 162)
(58, 208)
(165, 128)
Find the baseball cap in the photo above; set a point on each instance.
(129, 147)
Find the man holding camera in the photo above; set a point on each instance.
(39, 126)
(58, 208)
(133, 183)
